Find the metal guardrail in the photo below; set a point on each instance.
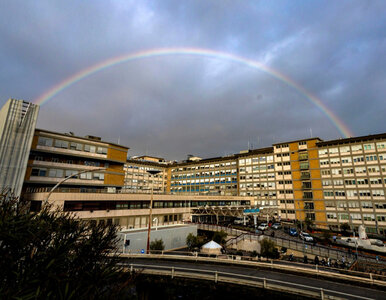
(240, 279)
(277, 265)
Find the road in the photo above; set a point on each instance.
(361, 292)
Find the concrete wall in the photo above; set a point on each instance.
(172, 236)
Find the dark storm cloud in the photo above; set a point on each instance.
(177, 105)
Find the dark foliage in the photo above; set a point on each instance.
(268, 249)
(50, 254)
(345, 227)
(157, 245)
(219, 237)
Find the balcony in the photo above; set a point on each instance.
(306, 186)
(305, 175)
(309, 206)
(303, 156)
(304, 166)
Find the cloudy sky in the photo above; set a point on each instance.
(175, 105)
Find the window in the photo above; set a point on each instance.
(378, 193)
(55, 173)
(61, 144)
(87, 175)
(326, 182)
(349, 182)
(346, 160)
(344, 149)
(304, 165)
(98, 176)
(348, 171)
(76, 146)
(371, 158)
(302, 143)
(39, 172)
(340, 193)
(368, 146)
(43, 141)
(368, 217)
(358, 159)
(333, 150)
(366, 204)
(328, 193)
(356, 148)
(323, 152)
(353, 204)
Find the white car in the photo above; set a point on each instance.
(263, 226)
(305, 236)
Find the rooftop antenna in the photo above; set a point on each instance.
(119, 139)
(311, 132)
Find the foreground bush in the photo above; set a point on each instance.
(50, 254)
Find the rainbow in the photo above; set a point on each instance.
(50, 94)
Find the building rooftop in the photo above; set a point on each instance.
(352, 139)
(87, 138)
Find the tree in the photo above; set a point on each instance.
(157, 245)
(326, 235)
(345, 227)
(268, 249)
(219, 237)
(51, 254)
(308, 223)
(192, 241)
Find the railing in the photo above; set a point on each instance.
(256, 281)
(320, 250)
(228, 230)
(272, 264)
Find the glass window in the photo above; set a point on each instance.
(43, 141)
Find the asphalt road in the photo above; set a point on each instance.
(290, 278)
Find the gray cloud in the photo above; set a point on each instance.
(175, 105)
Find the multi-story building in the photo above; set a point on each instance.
(96, 184)
(353, 176)
(213, 176)
(92, 165)
(138, 180)
(328, 182)
(17, 124)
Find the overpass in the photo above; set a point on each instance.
(290, 279)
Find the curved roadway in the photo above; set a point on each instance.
(271, 276)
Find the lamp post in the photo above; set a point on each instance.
(65, 179)
(301, 226)
(151, 172)
(355, 239)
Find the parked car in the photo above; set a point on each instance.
(263, 226)
(293, 232)
(238, 221)
(276, 226)
(306, 237)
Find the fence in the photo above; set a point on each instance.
(241, 279)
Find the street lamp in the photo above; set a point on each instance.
(301, 226)
(151, 172)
